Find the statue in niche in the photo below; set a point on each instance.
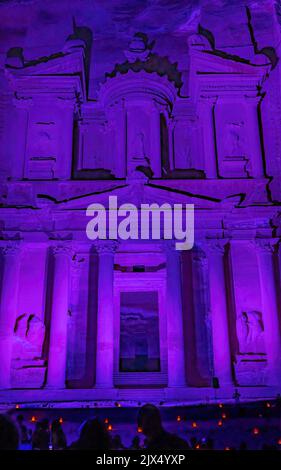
(29, 334)
(183, 149)
(250, 332)
(139, 145)
(234, 143)
(140, 158)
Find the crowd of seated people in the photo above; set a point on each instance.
(94, 435)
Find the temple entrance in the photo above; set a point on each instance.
(140, 330)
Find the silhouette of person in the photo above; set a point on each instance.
(149, 419)
(93, 436)
(41, 436)
(24, 434)
(135, 445)
(117, 443)
(9, 435)
(58, 438)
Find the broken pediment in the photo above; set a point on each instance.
(142, 192)
(62, 70)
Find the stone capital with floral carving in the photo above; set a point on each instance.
(62, 249)
(266, 245)
(11, 249)
(105, 247)
(216, 245)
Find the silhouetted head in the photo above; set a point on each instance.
(44, 424)
(56, 425)
(9, 436)
(20, 419)
(93, 435)
(136, 441)
(149, 420)
(117, 440)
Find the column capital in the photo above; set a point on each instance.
(216, 245)
(266, 245)
(253, 100)
(208, 100)
(66, 102)
(104, 247)
(23, 102)
(169, 246)
(11, 249)
(62, 249)
(200, 259)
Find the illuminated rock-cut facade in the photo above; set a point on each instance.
(124, 320)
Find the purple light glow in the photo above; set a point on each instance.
(185, 112)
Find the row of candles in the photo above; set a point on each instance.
(194, 425)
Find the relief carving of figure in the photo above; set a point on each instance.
(234, 143)
(140, 158)
(139, 145)
(29, 334)
(250, 332)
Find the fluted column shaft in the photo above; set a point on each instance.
(105, 332)
(58, 332)
(272, 333)
(175, 334)
(206, 117)
(219, 313)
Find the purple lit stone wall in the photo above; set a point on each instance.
(171, 102)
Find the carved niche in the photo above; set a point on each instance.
(250, 365)
(28, 366)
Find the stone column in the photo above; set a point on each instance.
(64, 161)
(105, 332)
(206, 120)
(252, 103)
(175, 333)
(270, 315)
(155, 139)
(19, 164)
(58, 327)
(8, 310)
(219, 313)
